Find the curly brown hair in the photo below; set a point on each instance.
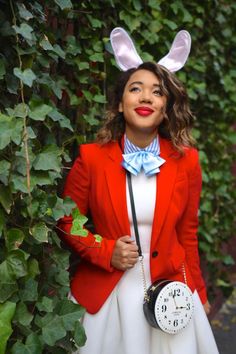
(178, 118)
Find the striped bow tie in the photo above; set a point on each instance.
(135, 161)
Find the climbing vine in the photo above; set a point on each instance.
(55, 70)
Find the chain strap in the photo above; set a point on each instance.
(146, 297)
(184, 274)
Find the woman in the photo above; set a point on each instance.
(149, 111)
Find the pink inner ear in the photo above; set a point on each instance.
(179, 52)
(124, 50)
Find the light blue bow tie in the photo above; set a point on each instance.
(135, 161)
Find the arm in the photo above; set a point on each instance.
(188, 225)
(77, 187)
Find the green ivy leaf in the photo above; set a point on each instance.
(59, 51)
(73, 47)
(24, 30)
(4, 171)
(89, 118)
(64, 4)
(223, 283)
(95, 22)
(40, 232)
(8, 288)
(33, 268)
(5, 130)
(2, 69)
(172, 25)
(79, 334)
(63, 120)
(14, 238)
(78, 222)
(21, 110)
(40, 178)
(45, 304)
(30, 291)
(68, 205)
(22, 315)
(62, 277)
(69, 313)
(53, 331)
(45, 44)
(20, 183)
(6, 276)
(61, 208)
(87, 94)
(6, 198)
(16, 263)
(98, 238)
(7, 311)
(99, 98)
(2, 221)
(23, 12)
(16, 130)
(34, 344)
(137, 5)
(27, 76)
(83, 65)
(228, 260)
(49, 159)
(19, 348)
(97, 57)
(40, 112)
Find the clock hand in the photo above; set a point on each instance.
(176, 307)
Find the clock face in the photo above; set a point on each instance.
(174, 307)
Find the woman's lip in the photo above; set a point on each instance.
(144, 111)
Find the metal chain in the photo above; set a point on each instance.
(184, 274)
(146, 297)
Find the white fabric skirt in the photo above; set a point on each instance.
(121, 328)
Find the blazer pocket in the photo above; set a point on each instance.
(177, 262)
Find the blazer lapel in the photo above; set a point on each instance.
(165, 183)
(116, 181)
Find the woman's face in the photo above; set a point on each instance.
(143, 103)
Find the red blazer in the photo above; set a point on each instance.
(97, 183)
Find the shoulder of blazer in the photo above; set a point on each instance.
(190, 157)
(95, 153)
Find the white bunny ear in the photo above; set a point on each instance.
(179, 52)
(124, 50)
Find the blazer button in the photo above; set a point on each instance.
(154, 254)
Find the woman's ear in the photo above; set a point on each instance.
(120, 109)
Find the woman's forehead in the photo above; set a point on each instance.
(143, 76)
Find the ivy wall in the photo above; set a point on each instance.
(55, 67)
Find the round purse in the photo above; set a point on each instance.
(168, 305)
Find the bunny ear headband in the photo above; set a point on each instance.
(127, 57)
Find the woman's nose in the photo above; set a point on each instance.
(145, 97)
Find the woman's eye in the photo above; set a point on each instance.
(134, 89)
(158, 93)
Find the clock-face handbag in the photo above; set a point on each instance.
(168, 305)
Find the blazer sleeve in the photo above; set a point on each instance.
(188, 225)
(77, 187)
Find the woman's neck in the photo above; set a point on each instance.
(140, 139)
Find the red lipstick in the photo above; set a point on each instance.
(144, 111)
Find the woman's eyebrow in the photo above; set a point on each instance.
(141, 83)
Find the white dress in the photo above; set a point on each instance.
(120, 326)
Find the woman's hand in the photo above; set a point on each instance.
(207, 307)
(125, 253)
